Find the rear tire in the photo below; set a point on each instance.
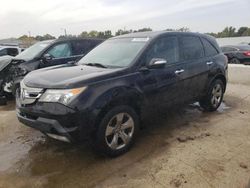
(117, 131)
(235, 61)
(214, 96)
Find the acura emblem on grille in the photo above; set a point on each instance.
(29, 95)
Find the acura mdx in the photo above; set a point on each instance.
(103, 97)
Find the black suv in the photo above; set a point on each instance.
(103, 96)
(40, 55)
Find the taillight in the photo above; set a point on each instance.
(247, 53)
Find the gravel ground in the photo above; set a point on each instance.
(183, 148)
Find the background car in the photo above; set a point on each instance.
(43, 54)
(10, 50)
(238, 54)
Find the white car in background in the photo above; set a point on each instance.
(10, 50)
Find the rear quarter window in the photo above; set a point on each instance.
(210, 50)
(191, 48)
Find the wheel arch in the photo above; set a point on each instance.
(220, 77)
(118, 97)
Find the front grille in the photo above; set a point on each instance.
(29, 95)
(29, 116)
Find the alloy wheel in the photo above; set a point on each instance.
(216, 95)
(119, 131)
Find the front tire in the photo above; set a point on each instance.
(214, 96)
(117, 131)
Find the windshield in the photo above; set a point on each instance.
(33, 51)
(247, 47)
(115, 53)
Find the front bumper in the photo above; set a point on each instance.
(55, 120)
(50, 127)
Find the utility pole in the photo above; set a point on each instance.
(29, 39)
(65, 31)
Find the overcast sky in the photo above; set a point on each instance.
(17, 17)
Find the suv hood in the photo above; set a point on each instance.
(67, 76)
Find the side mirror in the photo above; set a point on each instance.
(157, 63)
(71, 62)
(47, 57)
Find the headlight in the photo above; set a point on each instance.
(64, 96)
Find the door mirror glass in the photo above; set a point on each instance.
(157, 63)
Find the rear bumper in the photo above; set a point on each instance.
(245, 61)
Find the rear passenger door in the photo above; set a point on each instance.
(196, 68)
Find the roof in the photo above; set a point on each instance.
(78, 39)
(2, 47)
(153, 34)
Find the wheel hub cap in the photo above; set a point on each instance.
(216, 95)
(119, 131)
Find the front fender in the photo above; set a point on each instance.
(119, 96)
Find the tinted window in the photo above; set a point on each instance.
(247, 47)
(191, 48)
(84, 46)
(60, 50)
(12, 51)
(210, 50)
(164, 48)
(228, 49)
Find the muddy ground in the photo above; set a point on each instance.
(183, 148)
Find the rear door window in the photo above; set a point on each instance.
(60, 51)
(82, 47)
(164, 48)
(191, 48)
(210, 50)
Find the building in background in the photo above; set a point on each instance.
(233, 40)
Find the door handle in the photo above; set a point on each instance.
(210, 63)
(179, 71)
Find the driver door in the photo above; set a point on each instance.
(170, 79)
(60, 53)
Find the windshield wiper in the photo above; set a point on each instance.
(96, 65)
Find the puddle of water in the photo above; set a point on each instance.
(223, 107)
(29, 156)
